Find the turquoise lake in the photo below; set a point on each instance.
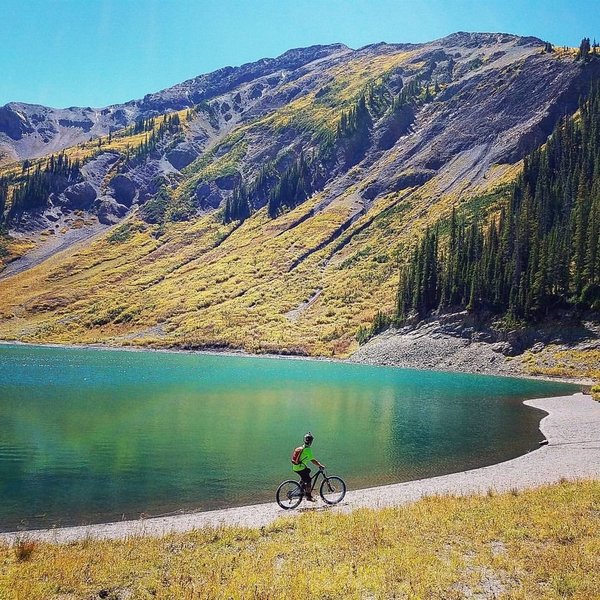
(91, 435)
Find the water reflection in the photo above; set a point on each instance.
(92, 435)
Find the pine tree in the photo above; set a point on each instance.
(584, 49)
(294, 186)
(237, 206)
(3, 197)
(33, 188)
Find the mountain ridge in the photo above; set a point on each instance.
(119, 115)
(15, 116)
(273, 216)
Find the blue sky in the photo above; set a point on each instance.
(97, 52)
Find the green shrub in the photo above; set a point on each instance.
(380, 323)
(155, 209)
(124, 232)
(362, 335)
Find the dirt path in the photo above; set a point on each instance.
(572, 429)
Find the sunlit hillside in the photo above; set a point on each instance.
(205, 283)
(178, 230)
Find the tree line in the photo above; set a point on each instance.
(540, 253)
(35, 184)
(170, 125)
(31, 189)
(3, 196)
(587, 50)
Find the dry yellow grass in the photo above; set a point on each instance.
(556, 362)
(13, 248)
(201, 283)
(205, 283)
(345, 86)
(537, 544)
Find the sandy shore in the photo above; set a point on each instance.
(572, 428)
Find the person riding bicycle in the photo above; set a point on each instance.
(302, 467)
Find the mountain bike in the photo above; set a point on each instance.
(290, 493)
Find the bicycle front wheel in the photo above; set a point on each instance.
(289, 494)
(333, 490)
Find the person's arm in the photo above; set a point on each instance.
(316, 462)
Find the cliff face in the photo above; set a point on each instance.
(337, 156)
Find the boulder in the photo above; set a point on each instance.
(109, 211)
(227, 182)
(124, 190)
(503, 348)
(208, 195)
(181, 157)
(80, 195)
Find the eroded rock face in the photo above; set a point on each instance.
(493, 98)
(210, 195)
(109, 211)
(80, 195)
(13, 124)
(227, 182)
(83, 124)
(124, 189)
(96, 170)
(181, 157)
(470, 65)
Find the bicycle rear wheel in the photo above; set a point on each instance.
(333, 490)
(289, 494)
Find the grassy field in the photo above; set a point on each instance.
(555, 361)
(203, 283)
(542, 543)
(12, 248)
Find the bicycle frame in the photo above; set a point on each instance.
(313, 479)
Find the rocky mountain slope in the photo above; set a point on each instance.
(264, 207)
(29, 130)
(456, 341)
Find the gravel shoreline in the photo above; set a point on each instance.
(572, 428)
(431, 346)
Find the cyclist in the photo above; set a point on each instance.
(302, 467)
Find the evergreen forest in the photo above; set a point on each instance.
(539, 253)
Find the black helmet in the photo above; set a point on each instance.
(308, 438)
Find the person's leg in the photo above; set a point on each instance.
(305, 475)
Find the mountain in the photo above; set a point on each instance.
(29, 130)
(265, 207)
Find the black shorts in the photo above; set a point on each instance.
(305, 475)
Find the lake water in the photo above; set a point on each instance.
(90, 435)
